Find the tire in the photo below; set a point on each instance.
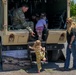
(56, 54)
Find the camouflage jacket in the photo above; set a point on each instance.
(19, 19)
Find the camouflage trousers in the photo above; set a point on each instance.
(30, 24)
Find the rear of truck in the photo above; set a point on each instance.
(14, 43)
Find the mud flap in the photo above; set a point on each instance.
(57, 55)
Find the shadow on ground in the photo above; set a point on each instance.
(46, 66)
(62, 69)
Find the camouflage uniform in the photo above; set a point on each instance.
(20, 22)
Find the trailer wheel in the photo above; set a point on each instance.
(56, 54)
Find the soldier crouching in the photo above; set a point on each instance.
(19, 20)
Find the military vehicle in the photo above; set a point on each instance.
(14, 43)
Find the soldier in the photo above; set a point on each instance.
(19, 20)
